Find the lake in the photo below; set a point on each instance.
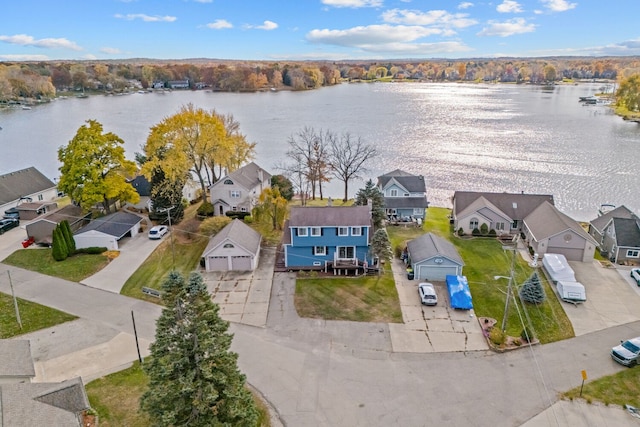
(459, 136)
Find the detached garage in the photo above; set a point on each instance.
(108, 231)
(235, 248)
(433, 258)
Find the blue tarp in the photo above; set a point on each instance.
(459, 293)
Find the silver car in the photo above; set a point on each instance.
(627, 352)
(427, 294)
(635, 275)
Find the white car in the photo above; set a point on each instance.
(627, 353)
(427, 294)
(158, 231)
(635, 275)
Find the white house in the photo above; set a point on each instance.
(26, 185)
(108, 231)
(235, 247)
(239, 190)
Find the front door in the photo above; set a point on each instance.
(346, 252)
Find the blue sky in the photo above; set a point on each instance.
(316, 29)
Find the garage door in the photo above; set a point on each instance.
(428, 272)
(218, 263)
(241, 263)
(571, 254)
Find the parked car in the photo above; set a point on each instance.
(627, 352)
(427, 294)
(7, 224)
(12, 213)
(635, 275)
(158, 231)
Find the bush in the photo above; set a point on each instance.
(484, 229)
(248, 219)
(527, 335)
(236, 214)
(475, 232)
(492, 233)
(397, 252)
(92, 250)
(460, 231)
(205, 209)
(496, 336)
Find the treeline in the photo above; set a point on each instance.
(43, 80)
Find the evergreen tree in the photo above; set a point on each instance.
(193, 376)
(68, 237)
(380, 245)
(373, 193)
(532, 290)
(166, 194)
(59, 250)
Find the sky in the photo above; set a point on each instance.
(316, 29)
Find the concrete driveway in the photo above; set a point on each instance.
(11, 241)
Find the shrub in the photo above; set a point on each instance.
(59, 250)
(248, 219)
(527, 335)
(92, 250)
(492, 233)
(211, 226)
(397, 252)
(475, 232)
(460, 231)
(496, 336)
(205, 209)
(236, 214)
(484, 229)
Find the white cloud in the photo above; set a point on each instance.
(145, 18)
(433, 17)
(465, 5)
(48, 43)
(24, 57)
(266, 25)
(111, 50)
(509, 6)
(219, 24)
(90, 56)
(559, 5)
(507, 28)
(353, 3)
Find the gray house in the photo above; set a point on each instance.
(598, 225)
(26, 185)
(405, 194)
(108, 230)
(433, 258)
(621, 240)
(235, 247)
(239, 191)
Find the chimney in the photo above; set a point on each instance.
(370, 205)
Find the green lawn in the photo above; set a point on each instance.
(362, 299)
(485, 258)
(74, 268)
(618, 389)
(33, 316)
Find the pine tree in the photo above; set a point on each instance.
(193, 376)
(532, 290)
(373, 193)
(380, 245)
(68, 237)
(59, 250)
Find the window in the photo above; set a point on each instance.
(473, 223)
(228, 182)
(418, 211)
(346, 252)
(40, 197)
(499, 225)
(228, 245)
(315, 231)
(633, 253)
(406, 194)
(243, 209)
(343, 231)
(302, 231)
(234, 193)
(319, 250)
(356, 231)
(514, 224)
(393, 193)
(234, 208)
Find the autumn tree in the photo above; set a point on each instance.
(94, 168)
(194, 378)
(347, 158)
(550, 73)
(271, 208)
(628, 94)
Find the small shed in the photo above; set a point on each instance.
(235, 248)
(108, 230)
(41, 229)
(433, 258)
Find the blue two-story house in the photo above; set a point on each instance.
(330, 237)
(405, 195)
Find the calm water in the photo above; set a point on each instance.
(460, 137)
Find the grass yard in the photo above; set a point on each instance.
(618, 389)
(361, 299)
(74, 268)
(33, 316)
(485, 258)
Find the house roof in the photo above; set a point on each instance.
(239, 233)
(34, 206)
(601, 222)
(406, 202)
(116, 224)
(329, 216)
(15, 359)
(627, 232)
(247, 176)
(547, 221)
(516, 205)
(71, 213)
(53, 404)
(479, 204)
(14, 185)
(430, 245)
(142, 185)
(411, 183)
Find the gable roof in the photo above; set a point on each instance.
(329, 216)
(71, 213)
(14, 185)
(479, 204)
(516, 205)
(430, 245)
(601, 222)
(53, 404)
(411, 183)
(116, 224)
(627, 232)
(239, 233)
(142, 185)
(547, 221)
(15, 359)
(248, 176)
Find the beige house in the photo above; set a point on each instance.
(239, 191)
(26, 186)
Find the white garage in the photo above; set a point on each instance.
(106, 232)
(235, 248)
(433, 258)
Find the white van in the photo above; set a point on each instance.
(573, 292)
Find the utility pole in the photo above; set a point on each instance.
(173, 252)
(15, 301)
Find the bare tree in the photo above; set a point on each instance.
(347, 158)
(310, 154)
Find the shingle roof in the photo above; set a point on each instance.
(15, 359)
(405, 202)
(248, 176)
(516, 205)
(71, 213)
(546, 221)
(411, 183)
(116, 224)
(238, 232)
(627, 232)
(601, 222)
(21, 183)
(430, 245)
(329, 216)
(142, 185)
